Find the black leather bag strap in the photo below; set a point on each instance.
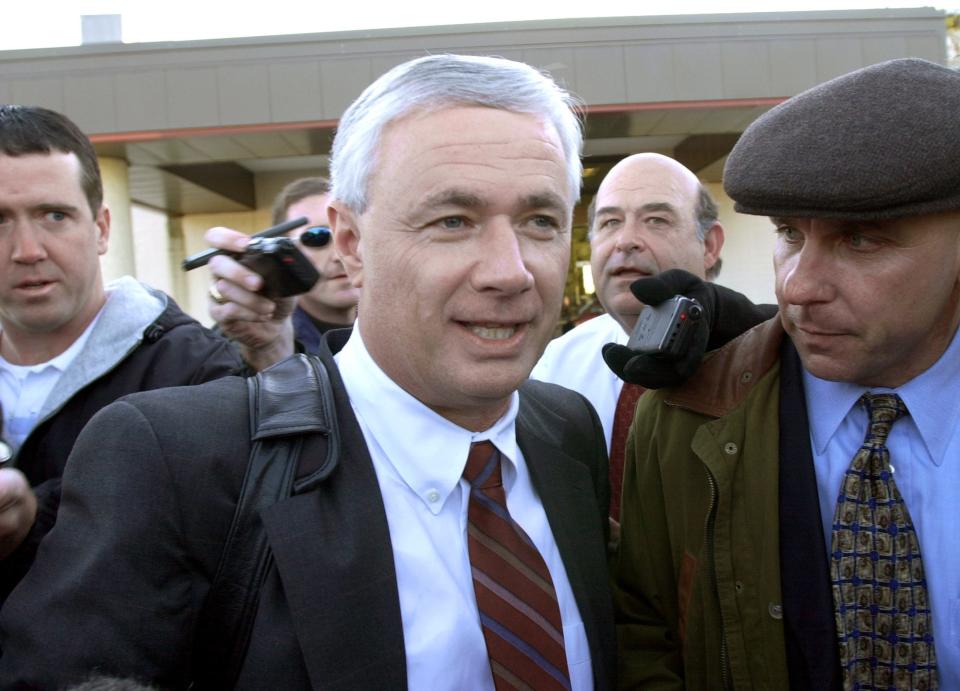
(287, 402)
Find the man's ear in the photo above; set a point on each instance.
(346, 240)
(712, 244)
(102, 222)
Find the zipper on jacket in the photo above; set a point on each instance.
(709, 538)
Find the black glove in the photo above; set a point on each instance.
(655, 371)
(726, 315)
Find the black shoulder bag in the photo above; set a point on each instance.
(288, 401)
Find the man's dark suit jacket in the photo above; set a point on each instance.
(148, 498)
(813, 660)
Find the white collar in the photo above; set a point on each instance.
(428, 451)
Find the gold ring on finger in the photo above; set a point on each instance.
(216, 295)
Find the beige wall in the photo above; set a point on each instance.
(747, 251)
(152, 252)
(118, 261)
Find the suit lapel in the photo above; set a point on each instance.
(331, 548)
(566, 491)
(809, 627)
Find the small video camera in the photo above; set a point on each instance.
(666, 328)
(285, 270)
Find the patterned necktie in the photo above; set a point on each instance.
(622, 419)
(879, 588)
(515, 594)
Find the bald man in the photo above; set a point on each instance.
(650, 214)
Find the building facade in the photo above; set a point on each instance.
(201, 133)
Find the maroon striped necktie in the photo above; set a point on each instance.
(515, 594)
(622, 419)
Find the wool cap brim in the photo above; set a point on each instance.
(878, 143)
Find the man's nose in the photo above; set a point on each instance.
(629, 238)
(28, 247)
(502, 266)
(807, 276)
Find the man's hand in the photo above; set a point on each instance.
(659, 371)
(726, 315)
(18, 509)
(613, 544)
(261, 327)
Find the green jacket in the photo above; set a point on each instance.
(697, 577)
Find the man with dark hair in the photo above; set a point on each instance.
(789, 514)
(296, 191)
(68, 344)
(458, 541)
(331, 303)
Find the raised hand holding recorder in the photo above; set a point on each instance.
(252, 309)
(723, 315)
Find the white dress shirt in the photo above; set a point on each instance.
(925, 456)
(419, 458)
(575, 360)
(24, 388)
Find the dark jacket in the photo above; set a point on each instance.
(149, 496)
(307, 331)
(141, 341)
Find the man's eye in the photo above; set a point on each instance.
(545, 221)
(453, 222)
(859, 241)
(57, 216)
(609, 223)
(788, 233)
(657, 221)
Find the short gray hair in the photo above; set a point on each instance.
(706, 212)
(436, 82)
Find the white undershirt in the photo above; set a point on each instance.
(24, 388)
(575, 360)
(419, 458)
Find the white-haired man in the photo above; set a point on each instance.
(459, 542)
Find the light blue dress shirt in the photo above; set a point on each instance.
(925, 456)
